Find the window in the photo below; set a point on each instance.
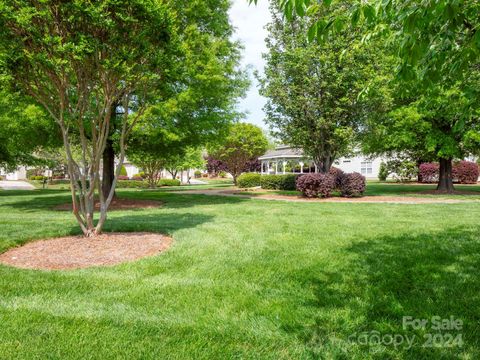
(366, 167)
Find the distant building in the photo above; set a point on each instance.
(286, 159)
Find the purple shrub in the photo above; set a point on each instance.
(316, 185)
(428, 172)
(465, 172)
(352, 184)
(337, 174)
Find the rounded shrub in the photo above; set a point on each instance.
(465, 172)
(169, 182)
(278, 182)
(352, 184)
(197, 174)
(428, 172)
(222, 174)
(337, 174)
(316, 185)
(123, 177)
(248, 180)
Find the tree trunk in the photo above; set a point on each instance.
(419, 175)
(108, 168)
(445, 179)
(324, 165)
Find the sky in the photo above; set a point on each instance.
(249, 21)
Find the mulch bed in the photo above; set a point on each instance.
(119, 204)
(455, 192)
(76, 252)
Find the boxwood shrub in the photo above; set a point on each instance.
(278, 182)
(248, 180)
(316, 185)
(352, 184)
(169, 182)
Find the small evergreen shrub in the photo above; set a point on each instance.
(222, 174)
(248, 180)
(316, 185)
(141, 174)
(169, 182)
(129, 184)
(38, 177)
(123, 171)
(428, 172)
(337, 174)
(383, 172)
(352, 184)
(278, 182)
(465, 172)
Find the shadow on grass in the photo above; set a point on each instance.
(164, 222)
(387, 278)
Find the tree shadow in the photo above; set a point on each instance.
(387, 278)
(163, 222)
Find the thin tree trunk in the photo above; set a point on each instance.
(108, 168)
(445, 179)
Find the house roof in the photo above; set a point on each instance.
(283, 151)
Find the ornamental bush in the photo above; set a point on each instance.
(123, 177)
(278, 182)
(352, 184)
(248, 180)
(428, 172)
(337, 174)
(128, 184)
(169, 182)
(383, 172)
(316, 185)
(465, 172)
(197, 174)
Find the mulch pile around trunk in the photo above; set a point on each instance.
(119, 204)
(75, 252)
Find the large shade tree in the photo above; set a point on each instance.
(437, 47)
(313, 89)
(78, 59)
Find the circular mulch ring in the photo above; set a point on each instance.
(76, 252)
(119, 204)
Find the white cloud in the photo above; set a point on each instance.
(249, 21)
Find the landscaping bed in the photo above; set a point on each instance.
(75, 252)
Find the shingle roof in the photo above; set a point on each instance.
(282, 151)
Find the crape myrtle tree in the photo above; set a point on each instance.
(243, 143)
(313, 89)
(437, 46)
(78, 59)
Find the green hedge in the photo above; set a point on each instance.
(278, 182)
(169, 182)
(249, 180)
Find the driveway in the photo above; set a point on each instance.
(16, 185)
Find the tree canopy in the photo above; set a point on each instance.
(243, 143)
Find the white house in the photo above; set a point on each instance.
(286, 159)
(19, 174)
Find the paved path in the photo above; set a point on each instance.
(364, 199)
(16, 185)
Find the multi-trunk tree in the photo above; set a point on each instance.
(77, 59)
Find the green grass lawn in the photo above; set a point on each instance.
(246, 279)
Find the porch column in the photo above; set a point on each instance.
(301, 167)
(276, 167)
(316, 170)
(261, 169)
(284, 163)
